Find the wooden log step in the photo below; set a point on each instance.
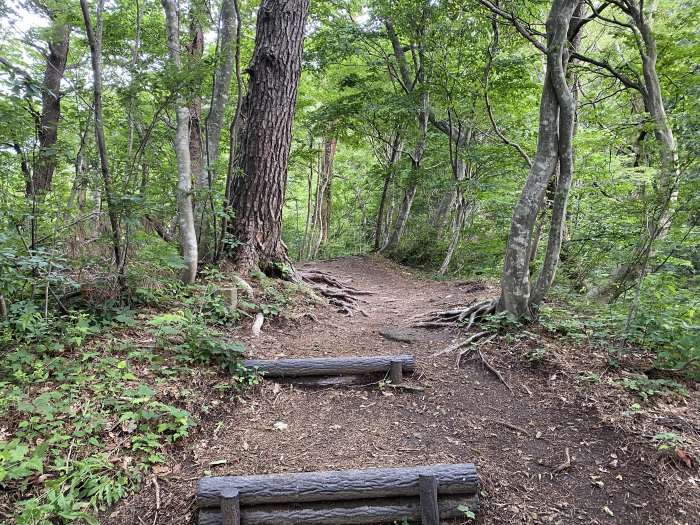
(337, 485)
(381, 510)
(329, 366)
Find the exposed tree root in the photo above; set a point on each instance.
(459, 345)
(339, 294)
(468, 314)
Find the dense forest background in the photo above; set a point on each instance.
(415, 129)
(420, 154)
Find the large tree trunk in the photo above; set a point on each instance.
(258, 193)
(95, 42)
(553, 146)
(42, 176)
(188, 236)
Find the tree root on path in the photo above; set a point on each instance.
(339, 294)
(457, 316)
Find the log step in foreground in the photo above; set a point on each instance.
(340, 497)
(331, 366)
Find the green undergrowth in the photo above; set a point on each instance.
(91, 401)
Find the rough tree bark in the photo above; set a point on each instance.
(188, 235)
(553, 146)
(42, 175)
(95, 42)
(258, 192)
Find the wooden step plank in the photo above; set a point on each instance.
(337, 485)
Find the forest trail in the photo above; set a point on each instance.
(519, 441)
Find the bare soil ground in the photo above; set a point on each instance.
(520, 441)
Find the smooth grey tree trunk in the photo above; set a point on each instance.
(393, 155)
(222, 87)
(555, 134)
(188, 235)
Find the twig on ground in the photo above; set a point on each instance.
(566, 463)
(495, 371)
(154, 480)
(409, 388)
(511, 426)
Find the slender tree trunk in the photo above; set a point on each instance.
(195, 50)
(131, 120)
(95, 42)
(457, 225)
(258, 193)
(80, 180)
(666, 183)
(222, 86)
(553, 146)
(323, 196)
(410, 192)
(404, 212)
(237, 123)
(188, 235)
(392, 157)
(446, 203)
(328, 158)
(460, 173)
(42, 175)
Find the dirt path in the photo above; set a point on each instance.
(516, 440)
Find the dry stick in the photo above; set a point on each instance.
(257, 324)
(496, 372)
(157, 487)
(512, 426)
(459, 345)
(566, 463)
(468, 350)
